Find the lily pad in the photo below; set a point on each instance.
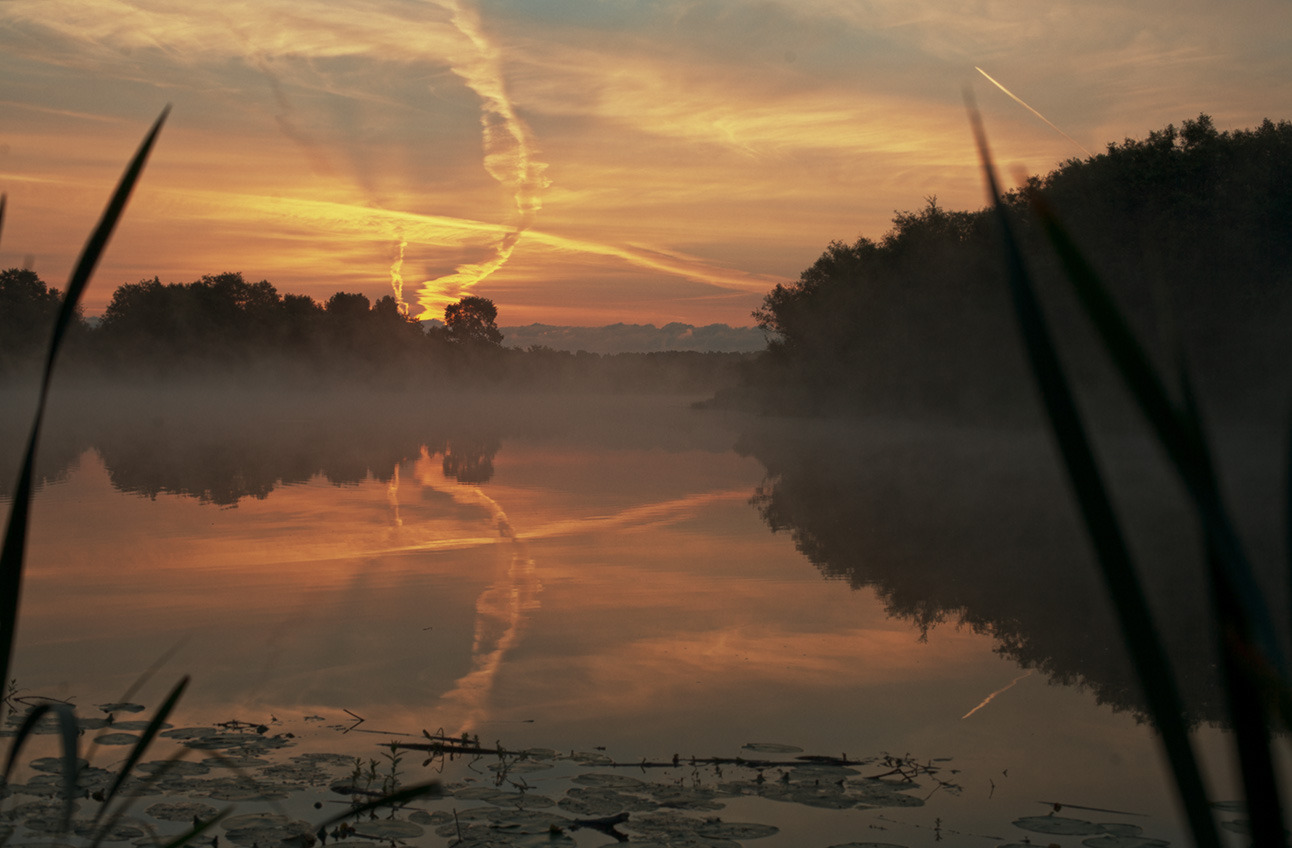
(116, 739)
(435, 819)
(55, 764)
(771, 748)
(323, 759)
(685, 797)
(1111, 841)
(136, 725)
(1058, 825)
(121, 707)
(185, 811)
(384, 829)
(611, 781)
(122, 831)
(735, 830)
(585, 758)
(595, 802)
(174, 767)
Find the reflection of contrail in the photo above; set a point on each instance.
(988, 699)
(500, 616)
(1020, 102)
(392, 497)
(664, 512)
(508, 158)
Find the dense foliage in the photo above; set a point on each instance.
(1189, 226)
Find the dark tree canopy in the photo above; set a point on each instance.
(472, 320)
(27, 311)
(1188, 227)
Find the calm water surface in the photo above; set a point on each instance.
(602, 576)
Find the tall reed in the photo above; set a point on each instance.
(1253, 671)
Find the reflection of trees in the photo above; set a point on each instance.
(469, 458)
(60, 446)
(221, 444)
(249, 454)
(976, 528)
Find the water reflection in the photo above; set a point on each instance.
(949, 526)
(975, 528)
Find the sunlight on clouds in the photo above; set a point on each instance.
(703, 144)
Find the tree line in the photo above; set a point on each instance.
(224, 320)
(1188, 226)
(222, 325)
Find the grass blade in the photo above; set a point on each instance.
(15, 538)
(1140, 637)
(34, 715)
(68, 731)
(145, 739)
(1178, 431)
(1252, 660)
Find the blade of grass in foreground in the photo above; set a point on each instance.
(1251, 659)
(145, 739)
(70, 768)
(15, 538)
(1178, 431)
(1138, 633)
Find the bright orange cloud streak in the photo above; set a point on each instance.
(370, 223)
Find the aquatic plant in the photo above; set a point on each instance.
(1253, 671)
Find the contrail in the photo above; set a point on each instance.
(397, 277)
(362, 221)
(502, 613)
(1020, 102)
(508, 158)
(1005, 688)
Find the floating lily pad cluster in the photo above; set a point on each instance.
(234, 767)
(673, 803)
(536, 797)
(1098, 834)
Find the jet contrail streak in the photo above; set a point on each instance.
(1005, 688)
(397, 279)
(508, 158)
(1020, 102)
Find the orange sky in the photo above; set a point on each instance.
(578, 161)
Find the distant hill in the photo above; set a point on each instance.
(637, 338)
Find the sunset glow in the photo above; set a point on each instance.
(577, 163)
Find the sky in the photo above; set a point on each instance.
(579, 162)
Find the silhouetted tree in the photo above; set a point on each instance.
(27, 311)
(472, 320)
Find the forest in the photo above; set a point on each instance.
(1189, 226)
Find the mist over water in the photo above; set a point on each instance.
(622, 571)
